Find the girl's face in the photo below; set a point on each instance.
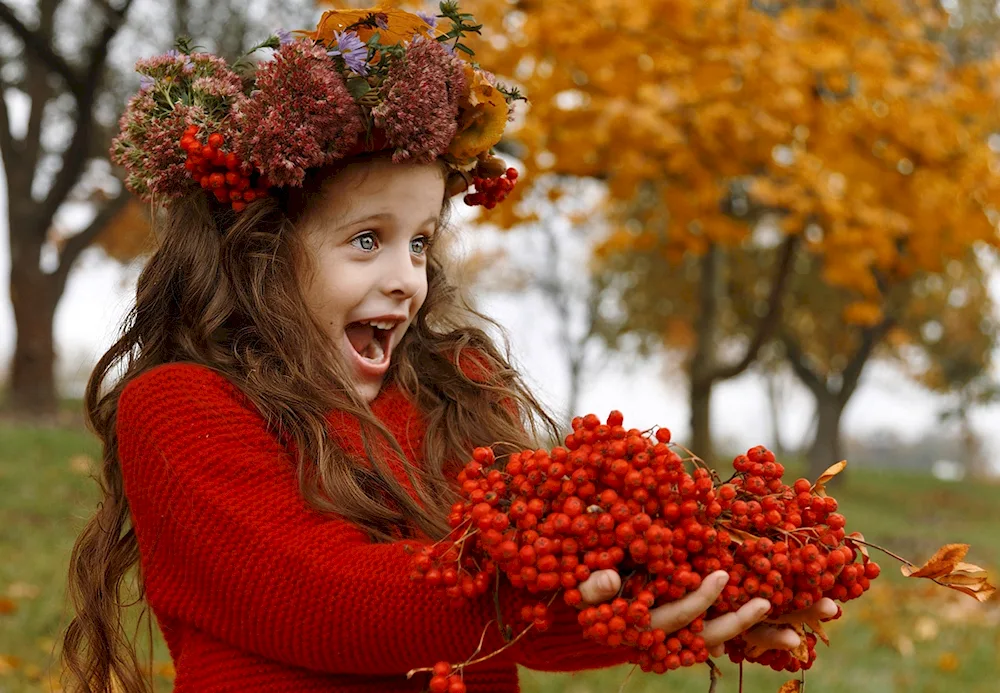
(366, 238)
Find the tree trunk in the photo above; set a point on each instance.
(34, 295)
(701, 427)
(826, 447)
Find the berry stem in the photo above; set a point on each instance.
(714, 674)
(496, 602)
(876, 546)
(693, 457)
(631, 671)
(494, 654)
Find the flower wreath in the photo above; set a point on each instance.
(363, 81)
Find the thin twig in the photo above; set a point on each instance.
(693, 457)
(714, 674)
(876, 546)
(631, 671)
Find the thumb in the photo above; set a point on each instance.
(601, 586)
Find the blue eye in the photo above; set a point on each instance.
(425, 243)
(367, 235)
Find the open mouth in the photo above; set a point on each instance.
(372, 344)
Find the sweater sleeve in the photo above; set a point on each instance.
(229, 546)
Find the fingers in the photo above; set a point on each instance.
(601, 586)
(767, 637)
(728, 626)
(825, 608)
(676, 615)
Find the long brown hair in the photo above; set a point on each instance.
(222, 290)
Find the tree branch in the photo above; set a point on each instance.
(769, 323)
(35, 44)
(75, 157)
(78, 243)
(8, 148)
(797, 359)
(871, 337)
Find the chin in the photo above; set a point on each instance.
(369, 389)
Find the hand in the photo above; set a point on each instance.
(770, 635)
(603, 585)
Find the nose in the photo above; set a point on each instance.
(404, 274)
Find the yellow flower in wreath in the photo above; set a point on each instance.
(482, 117)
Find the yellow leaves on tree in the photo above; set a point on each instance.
(850, 117)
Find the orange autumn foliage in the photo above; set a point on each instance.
(847, 116)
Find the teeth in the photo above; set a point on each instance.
(379, 325)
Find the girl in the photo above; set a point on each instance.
(298, 382)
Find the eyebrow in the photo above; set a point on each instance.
(383, 217)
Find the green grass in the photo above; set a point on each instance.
(904, 636)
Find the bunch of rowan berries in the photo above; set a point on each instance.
(221, 171)
(490, 191)
(620, 498)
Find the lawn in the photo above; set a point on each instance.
(903, 636)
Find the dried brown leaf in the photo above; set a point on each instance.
(860, 547)
(941, 563)
(738, 535)
(801, 652)
(793, 686)
(817, 628)
(7, 606)
(947, 568)
(819, 488)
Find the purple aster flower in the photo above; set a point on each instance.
(284, 36)
(431, 19)
(146, 82)
(353, 50)
(173, 53)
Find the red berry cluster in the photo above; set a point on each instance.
(623, 499)
(220, 171)
(444, 679)
(491, 191)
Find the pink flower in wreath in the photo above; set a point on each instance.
(300, 116)
(419, 113)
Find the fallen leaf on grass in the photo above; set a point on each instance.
(23, 590)
(793, 686)
(948, 661)
(819, 488)
(947, 568)
(81, 464)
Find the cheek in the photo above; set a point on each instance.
(328, 295)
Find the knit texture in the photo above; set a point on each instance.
(255, 591)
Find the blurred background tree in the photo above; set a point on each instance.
(845, 147)
(65, 74)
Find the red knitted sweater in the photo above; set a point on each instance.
(255, 591)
